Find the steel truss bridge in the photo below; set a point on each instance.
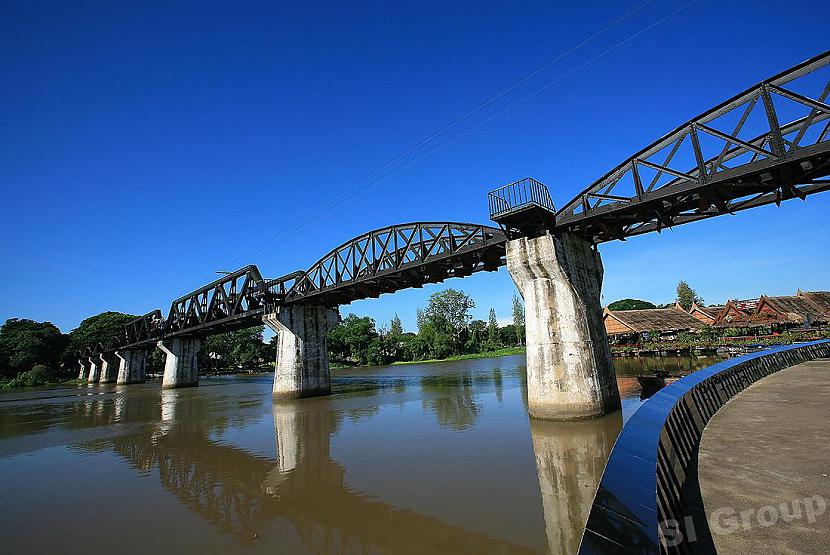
(768, 144)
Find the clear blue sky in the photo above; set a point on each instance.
(144, 147)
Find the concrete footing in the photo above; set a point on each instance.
(94, 369)
(181, 368)
(570, 375)
(132, 367)
(302, 368)
(109, 368)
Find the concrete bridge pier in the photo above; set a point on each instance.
(181, 368)
(570, 375)
(133, 365)
(302, 368)
(94, 369)
(84, 372)
(109, 368)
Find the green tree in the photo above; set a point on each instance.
(351, 339)
(518, 319)
(630, 304)
(393, 340)
(97, 329)
(451, 308)
(686, 295)
(477, 337)
(447, 317)
(395, 326)
(26, 343)
(492, 329)
(234, 350)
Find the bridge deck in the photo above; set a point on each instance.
(770, 445)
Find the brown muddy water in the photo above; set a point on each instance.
(429, 458)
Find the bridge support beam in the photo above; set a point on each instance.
(94, 369)
(181, 368)
(302, 368)
(109, 368)
(132, 368)
(570, 375)
(84, 365)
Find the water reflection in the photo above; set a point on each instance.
(570, 459)
(243, 494)
(673, 365)
(423, 458)
(451, 400)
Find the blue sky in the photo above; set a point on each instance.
(145, 147)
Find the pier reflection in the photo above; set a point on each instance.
(250, 496)
(570, 459)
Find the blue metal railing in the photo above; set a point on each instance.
(650, 478)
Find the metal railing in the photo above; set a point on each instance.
(522, 193)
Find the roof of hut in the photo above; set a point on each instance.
(712, 310)
(792, 309)
(655, 319)
(819, 298)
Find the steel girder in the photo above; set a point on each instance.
(398, 257)
(767, 144)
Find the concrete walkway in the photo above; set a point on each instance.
(764, 463)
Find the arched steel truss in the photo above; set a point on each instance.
(381, 261)
(398, 257)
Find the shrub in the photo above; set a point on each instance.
(38, 375)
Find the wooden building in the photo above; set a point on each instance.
(707, 315)
(667, 323)
(736, 313)
(821, 299)
(800, 310)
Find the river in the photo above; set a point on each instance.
(420, 458)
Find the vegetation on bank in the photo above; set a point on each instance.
(507, 351)
(446, 331)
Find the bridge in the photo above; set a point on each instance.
(767, 144)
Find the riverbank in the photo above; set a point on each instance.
(507, 351)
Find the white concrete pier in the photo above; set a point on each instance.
(94, 369)
(84, 368)
(181, 368)
(109, 368)
(570, 375)
(302, 368)
(132, 367)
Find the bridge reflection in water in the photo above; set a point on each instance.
(302, 490)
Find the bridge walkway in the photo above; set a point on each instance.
(770, 446)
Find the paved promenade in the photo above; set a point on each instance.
(764, 464)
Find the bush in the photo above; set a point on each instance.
(38, 375)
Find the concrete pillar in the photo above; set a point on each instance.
(109, 368)
(133, 366)
(302, 368)
(181, 368)
(570, 375)
(84, 372)
(94, 369)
